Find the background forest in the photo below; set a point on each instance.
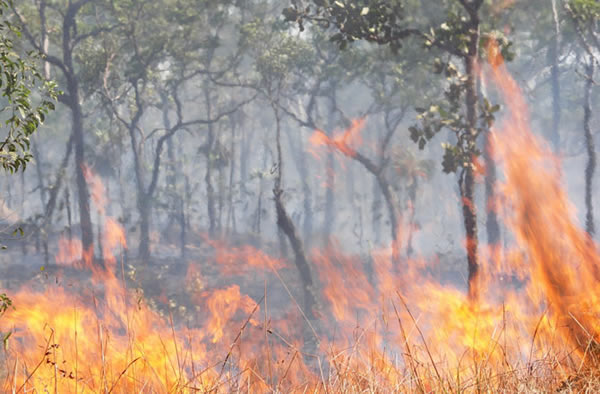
(253, 148)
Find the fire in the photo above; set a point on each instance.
(341, 142)
(98, 336)
(384, 327)
(564, 260)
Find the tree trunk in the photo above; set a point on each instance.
(286, 225)
(246, 145)
(83, 195)
(144, 202)
(144, 208)
(392, 204)
(492, 226)
(221, 198)
(376, 214)
(467, 179)
(412, 200)
(591, 149)
(329, 223)
(553, 54)
(171, 173)
(210, 190)
(87, 237)
(297, 149)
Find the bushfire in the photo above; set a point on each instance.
(381, 326)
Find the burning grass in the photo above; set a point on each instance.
(386, 329)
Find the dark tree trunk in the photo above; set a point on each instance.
(376, 213)
(286, 225)
(69, 215)
(392, 203)
(74, 102)
(87, 237)
(144, 208)
(230, 222)
(467, 179)
(171, 173)
(591, 149)
(143, 198)
(297, 149)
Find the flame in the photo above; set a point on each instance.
(341, 142)
(564, 259)
(98, 336)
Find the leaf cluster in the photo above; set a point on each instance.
(27, 97)
(376, 21)
(447, 114)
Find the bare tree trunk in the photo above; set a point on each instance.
(144, 209)
(297, 149)
(553, 54)
(69, 215)
(246, 145)
(210, 190)
(231, 222)
(376, 214)
(492, 225)
(87, 237)
(256, 224)
(171, 173)
(329, 218)
(143, 198)
(412, 199)
(286, 225)
(591, 149)
(221, 198)
(392, 203)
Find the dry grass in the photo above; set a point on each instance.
(353, 369)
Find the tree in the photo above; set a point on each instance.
(28, 96)
(458, 37)
(277, 55)
(145, 72)
(67, 34)
(585, 16)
